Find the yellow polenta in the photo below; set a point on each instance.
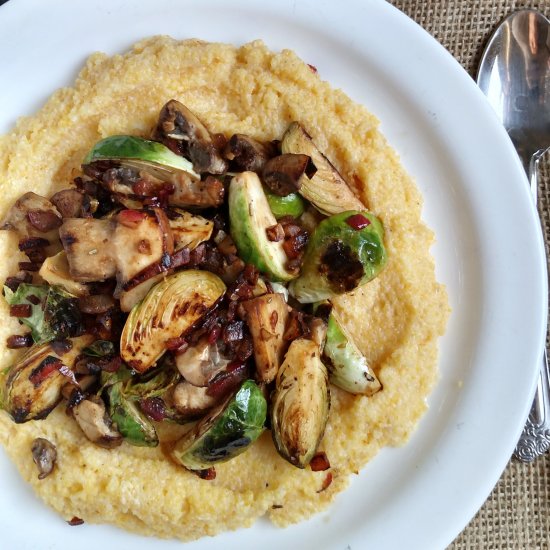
(396, 319)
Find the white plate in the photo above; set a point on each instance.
(489, 251)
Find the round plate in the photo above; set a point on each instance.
(489, 251)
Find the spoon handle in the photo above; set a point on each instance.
(535, 438)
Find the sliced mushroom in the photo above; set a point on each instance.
(192, 401)
(178, 123)
(200, 363)
(44, 455)
(196, 193)
(68, 202)
(283, 174)
(247, 154)
(33, 216)
(87, 243)
(92, 417)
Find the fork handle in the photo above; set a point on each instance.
(535, 438)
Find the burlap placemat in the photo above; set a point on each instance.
(517, 513)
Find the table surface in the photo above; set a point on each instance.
(517, 513)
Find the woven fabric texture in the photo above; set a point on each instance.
(517, 513)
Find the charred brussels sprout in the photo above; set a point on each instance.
(33, 385)
(226, 431)
(169, 308)
(250, 216)
(345, 251)
(54, 312)
(300, 403)
(135, 428)
(322, 185)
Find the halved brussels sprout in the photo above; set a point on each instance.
(169, 309)
(54, 312)
(300, 403)
(134, 426)
(325, 188)
(291, 205)
(345, 251)
(190, 230)
(266, 319)
(140, 153)
(226, 431)
(250, 216)
(33, 385)
(347, 366)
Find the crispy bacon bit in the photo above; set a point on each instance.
(20, 310)
(251, 274)
(244, 349)
(319, 463)
(358, 221)
(275, 233)
(17, 341)
(33, 242)
(61, 347)
(75, 521)
(20, 277)
(131, 218)
(45, 369)
(29, 266)
(36, 255)
(154, 408)
(214, 334)
(181, 257)
(326, 483)
(312, 67)
(227, 246)
(294, 246)
(44, 220)
(33, 299)
(227, 380)
(209, 474)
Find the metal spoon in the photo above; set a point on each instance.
(514, 74)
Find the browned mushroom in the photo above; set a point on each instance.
(178, 124)
(199, 364)
(91, 416)
(283, 174)
(68, 202)
(44, 455)
(192, 401)
(247, 154)
(33, 216)
(87, 243)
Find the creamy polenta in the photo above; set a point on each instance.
(396, 319)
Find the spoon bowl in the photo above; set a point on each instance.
(514, 74)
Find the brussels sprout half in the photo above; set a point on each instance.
(348, 367)
(169, 309)
(300, 403)
(226, 431)
(340, 256)
(135, 428)
(324, 188)
(33, 385)
(140, 153)
(249, 217)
